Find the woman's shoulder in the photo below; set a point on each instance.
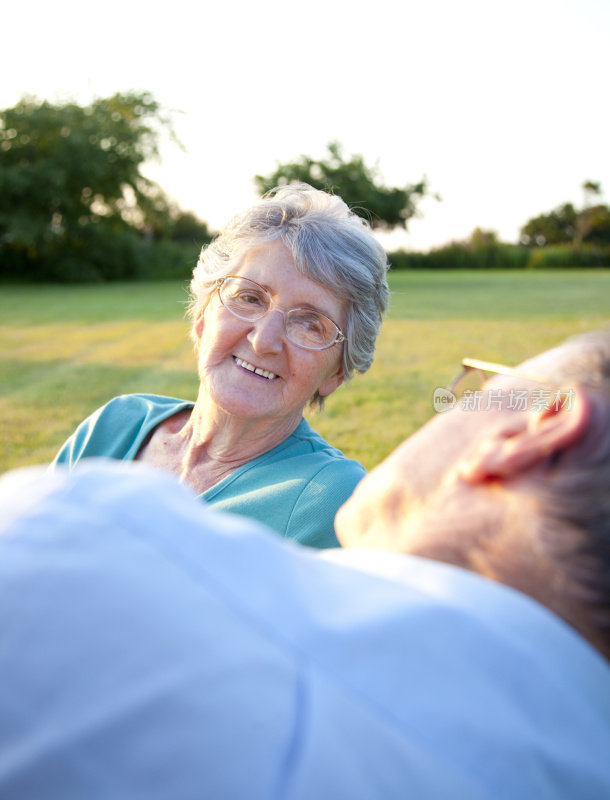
(117, 428)
(133, 409)
(304, 458)
(306, 440)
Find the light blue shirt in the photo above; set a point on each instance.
(152, 647)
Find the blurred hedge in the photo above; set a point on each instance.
(98, 256)
(502, 256)
(127, 256)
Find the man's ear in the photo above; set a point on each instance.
(523, 442)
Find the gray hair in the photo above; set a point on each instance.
(574, 496)
(329, 243)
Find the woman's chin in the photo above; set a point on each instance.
(248, 405)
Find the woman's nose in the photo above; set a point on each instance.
(268, 333)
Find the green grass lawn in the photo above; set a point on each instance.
(64, 351)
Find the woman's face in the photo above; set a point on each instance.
(292, 374)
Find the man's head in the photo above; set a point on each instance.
(520, 495)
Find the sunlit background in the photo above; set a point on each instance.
(502, 106)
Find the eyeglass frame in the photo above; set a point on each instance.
(272, 304)
(470, 364)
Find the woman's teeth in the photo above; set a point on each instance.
(269, 375)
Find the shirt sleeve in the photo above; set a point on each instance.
(117, 429)
(81, 442)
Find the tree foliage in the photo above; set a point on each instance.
(556, 227)
(74, 203)
(591, 189)
(593, 226)
(567, 226)
(358, 184)
(188, 228)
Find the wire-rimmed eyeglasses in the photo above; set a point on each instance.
(470, 365)
(548, 395)
(304, 327)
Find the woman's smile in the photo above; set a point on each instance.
(270, 376)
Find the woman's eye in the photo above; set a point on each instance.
(311, 322)
(249, 298)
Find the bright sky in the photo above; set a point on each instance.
(503, 106)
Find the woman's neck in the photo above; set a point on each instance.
(205, 445)
(228, 439)
(213, 443)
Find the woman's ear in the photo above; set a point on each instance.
(331, 383)
(527, 439)
(198, 323)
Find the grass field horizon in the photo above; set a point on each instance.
(66, 350)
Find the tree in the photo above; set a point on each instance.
(567, 226)
(359, 185)
(591, 189)
(483, 240)
(70, 182)
(556, 227)
(186, 227)
(593, 226)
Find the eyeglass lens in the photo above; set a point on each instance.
(470, 379)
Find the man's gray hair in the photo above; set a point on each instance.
(574, 495)
(329, 244)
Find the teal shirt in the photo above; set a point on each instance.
(296, 488)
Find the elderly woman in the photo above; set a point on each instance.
(286, 304)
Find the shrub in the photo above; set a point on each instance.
(458, 255)
(463, 256)
(563, 257)
(98, 254)
(166, 260)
